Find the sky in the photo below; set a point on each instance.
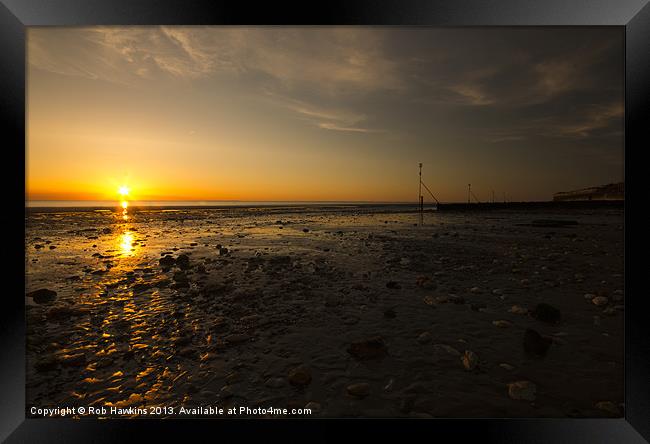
(322, 113)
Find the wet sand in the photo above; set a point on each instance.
(356, 312)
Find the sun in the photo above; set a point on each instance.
(123, 190)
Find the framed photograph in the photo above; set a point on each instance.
(394, 216)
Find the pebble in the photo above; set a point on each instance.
(469, 360)
(183, 262)
(501, 323)
(600, 301)
(359, 390)
(518, 309)
(522, 390)
(42, 296)
(371, 348)
(609, 407)
(429, 300)
(167, 262)
(300, 376)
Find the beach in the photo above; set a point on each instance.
(349, 311)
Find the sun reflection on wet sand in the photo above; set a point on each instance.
(126, 244)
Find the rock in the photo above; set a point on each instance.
(501, 323)
(223, 251)
(359, 390)
(372, 348)
(507, 367)
(183, 261)
(424, 338)
(600, 301)
(167, 262)
(305, 230)
(547, 313)
(469, 360)
(497, 292)
(42, 296)
(522, 390)
(429, 300)
(536, 344)
(393, 285)
(300, 376)
(609, 407)
(518, 309)
(475, 290)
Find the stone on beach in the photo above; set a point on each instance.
(600, 301)
(42, 296)
(501, 323)
(167, 262)
(522, 390)
(609, 407)
(300, 376)
(183, 261)
(518, 309)
(372, 348)
(469, 360)
(359, 390)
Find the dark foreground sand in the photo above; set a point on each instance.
(350, 312)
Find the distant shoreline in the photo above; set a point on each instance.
(398, 207)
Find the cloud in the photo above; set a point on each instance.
(557, 82)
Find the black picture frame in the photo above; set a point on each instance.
(16, 15)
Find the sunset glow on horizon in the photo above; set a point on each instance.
(321, 114)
